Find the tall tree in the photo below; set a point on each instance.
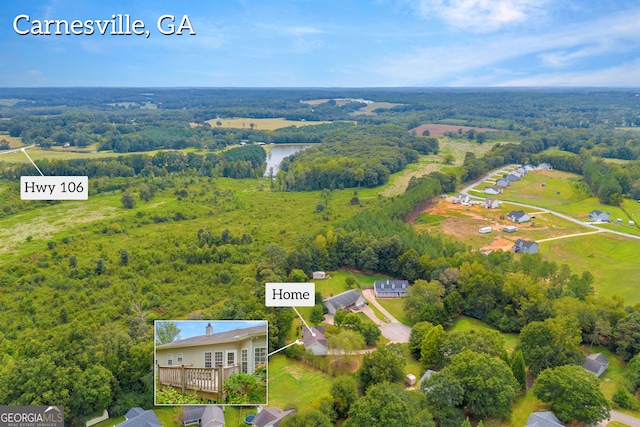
(167, 332)
(390, 405)
(430, 355)
(572, 393)
(385, 364)
(518, 368)
(345, 392)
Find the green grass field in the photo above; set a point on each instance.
(291, 381)
(395, 306)
(261, 124)
(467, 323)
(73, 153)
(368, 109)
(613, 260)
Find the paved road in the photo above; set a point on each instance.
(622, 418)
(393, 330)
(538, 208)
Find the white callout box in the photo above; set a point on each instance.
(54, 187)
(290, 294)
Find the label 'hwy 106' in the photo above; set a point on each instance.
(54, 187)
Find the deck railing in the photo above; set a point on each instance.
(186, 377)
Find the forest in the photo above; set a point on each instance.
(182, 224)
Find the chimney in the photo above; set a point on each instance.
(209, 329)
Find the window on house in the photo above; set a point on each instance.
(260, 356)
(218, 357)
(179, 357)
(207, 359)
(170, 359)
(244, 359)
(231, 358)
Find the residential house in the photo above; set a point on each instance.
(596, 363)
(543, 419)
(463, 199)
(517, 173)
(319, 275)
(492, 190)
(245, 347)
(502, 183)
(525, 247)
(349, 300)
(529, 168)
(318, 344)
(390, 288)
(270, 417)
(545, 166)
(512, 177)
(518, 216)
(599, 216)
(491, 203)
(138, 417)
(521, 170)
(424, 377)
(203, 416)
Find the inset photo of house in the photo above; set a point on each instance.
(220, 362)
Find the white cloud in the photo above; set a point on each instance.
(564, 46)
(301, 31)
(483, 16)
(625, 75)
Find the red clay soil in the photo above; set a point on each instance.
(440, 130)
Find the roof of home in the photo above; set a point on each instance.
(390, 285)
(516, 214)
(525, 243)
(598, 212)
(138, 417)
(595, 362)
(543, 419)
(209, 415)
(426, 375)
(310, 340)
(270, 416)
(344, 299)
(228, 336)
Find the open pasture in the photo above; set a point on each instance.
(613, 260)
(438, 129)
(261, 124)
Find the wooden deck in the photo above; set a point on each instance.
(206, 383)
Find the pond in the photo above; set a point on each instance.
(279, 152)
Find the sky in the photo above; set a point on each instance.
(196, 328)
(328, 43)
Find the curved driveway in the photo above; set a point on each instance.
(393, 330)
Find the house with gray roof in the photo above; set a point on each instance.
(318, 344)
(270, 417)
(390, 288)
(599, 216)
(596, 363)
(138, 417)
(349, 300)
(518, 216)
(545, 166)
(492, 190)
(462, 198)
(502, 183)
(512, 177)
(543, 419)
(525, 247)
(202, 416)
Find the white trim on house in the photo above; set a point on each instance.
(218, 358)
(226, 357)
(208, 359)
(259, 356)
(170, 359)
(244, 360)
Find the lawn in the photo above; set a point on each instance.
(292, 381)
(467, 323)
(368, 109)
(261, 124)
(395, 306)
(523, 405)
(37, 153)
(613, 260)
(560, 188)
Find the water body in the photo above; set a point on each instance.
(279, 152)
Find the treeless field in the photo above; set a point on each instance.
(439, 129)
(14, 141)
(261, 124)
(463, 223)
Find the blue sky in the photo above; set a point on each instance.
(195, 328)
(345, 43)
